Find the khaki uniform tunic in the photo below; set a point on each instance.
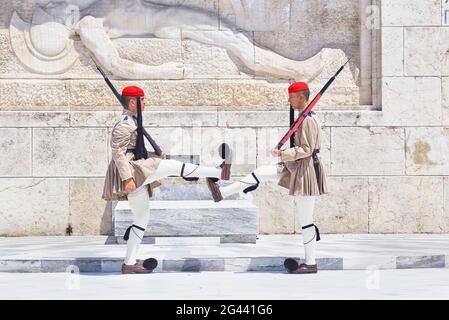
(298, 172)
(122, 165)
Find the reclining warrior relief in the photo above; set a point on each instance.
(46, 44)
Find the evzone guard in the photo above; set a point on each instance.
(300, 171)
(133, 173)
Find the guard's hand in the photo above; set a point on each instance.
(130, 185)
(276, 153)
(163, 155)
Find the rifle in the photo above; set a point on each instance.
(309, 108)
(153, 143)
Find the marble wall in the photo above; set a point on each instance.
(385, 120)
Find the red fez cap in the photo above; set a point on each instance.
(298, 86)
(132, 91)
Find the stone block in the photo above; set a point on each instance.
(345, 208)
(427, 151)
(367, 151)
(277, 208)
(89, 213)
(36, 119)
(407, 205)
(15, 144)
(34, 207)
(403, 98)
(393, 51)
(192, 218)
(411, 13)
(30, 94)
(69, 152)
(422, 51)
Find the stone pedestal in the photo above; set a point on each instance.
(188, 211)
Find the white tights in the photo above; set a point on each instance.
(306, 205)
(309, 235)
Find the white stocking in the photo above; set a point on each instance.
(309, 234)
(263, 173)
(139, 202)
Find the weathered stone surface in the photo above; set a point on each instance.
(209, 5)
(436, 261)
(345, 90)
(339, 97)
(89, 213)
(427, 151)
(367, 151)
(407, 205)
(253, 119)
(22, 266)
(150, 118)
(446, 202)
(9, 64)
(423, 56)
(180, 119)
(181, 93)
(29, 94)
(405, 97)
(205, 61)
(34, 207)
(176, 141)
(411, 13)
(95, 95)
(94, 118)
(371, 118)
(192, 218)
(15, 145)
(344, 209)
(338, 27)
(276, 209)
(340, 118)
(445, 99)
(70, 265)
(20, 119)
(264, 95)
(444, 48)
(393, 51)
(83, 67)
(69, 152)
(262, 15)
(150, 51)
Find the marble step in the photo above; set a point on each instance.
(334, 252)
(220, 264)
(192, 218)
(187, 211)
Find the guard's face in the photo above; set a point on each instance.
(296, 100)
(133, 104)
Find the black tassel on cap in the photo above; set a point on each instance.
(140, 152)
